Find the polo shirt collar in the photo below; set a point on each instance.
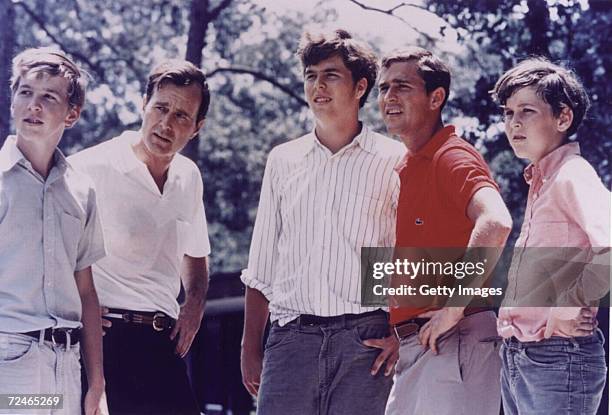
(551, 162)
(429, 149)
(365, 139)
(127, 160)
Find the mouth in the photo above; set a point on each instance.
(322, 100)
(32, 121)
(162, 138)
(518, 138)
(393, 111)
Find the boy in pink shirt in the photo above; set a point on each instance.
(553, 358)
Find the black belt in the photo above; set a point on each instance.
(58, 335)
(409, 327)
(312, 320)
(156, 319)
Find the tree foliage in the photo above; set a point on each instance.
(256, 82)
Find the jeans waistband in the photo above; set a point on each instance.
(514, 343)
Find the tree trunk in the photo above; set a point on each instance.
(538, 22)
(198, 25)
(7, 49)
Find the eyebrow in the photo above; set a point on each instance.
(397, 82)
(326, 70)
(53, 91)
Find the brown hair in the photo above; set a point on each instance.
(357, 56)
(180, 73)
(554, 84)
(434, 72)
(54, 63)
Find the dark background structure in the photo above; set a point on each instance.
(247, 49)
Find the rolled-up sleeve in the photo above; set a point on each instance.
(198, 244)
(263, 253)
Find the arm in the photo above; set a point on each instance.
(492, 225)
(251, 357)
(91, 340)
(194, 274)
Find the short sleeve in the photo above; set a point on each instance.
(91, 244)
(460, 174)
(198, 243)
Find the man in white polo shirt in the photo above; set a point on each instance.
(150, 201)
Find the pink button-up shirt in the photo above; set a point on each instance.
(562, 255)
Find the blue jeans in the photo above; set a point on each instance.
(31, 366)
(323, 369)
(553, 376)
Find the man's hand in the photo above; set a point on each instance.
(186, 327)
(389, 353)
(583, 324)
(95, 401)
(440, 322)
(251, 363)
(105, 323)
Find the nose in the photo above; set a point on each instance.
(389, 96)
(165, 122)
(319, 83)
(34, 105)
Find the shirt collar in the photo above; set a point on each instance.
(365, 139)
(10, 155)
(435, 142)
(551, 162)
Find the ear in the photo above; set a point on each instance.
(360, 87)
(436, 98)
(144, 102)
(565, 119)
(73, 116)
(198, 127)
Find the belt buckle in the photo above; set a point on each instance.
(157, 325)
(411, 327)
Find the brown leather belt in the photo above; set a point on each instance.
(156, 319)
(60, 336)
(409, 327)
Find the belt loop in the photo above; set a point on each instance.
(67, 334)
(574, 342)
(41, 336)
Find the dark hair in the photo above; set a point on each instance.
(54, 63)
(554, 84)
(430, 68)
(179, 73)
(357, 56)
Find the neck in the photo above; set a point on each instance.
(157, 166)
(338, 133)
(38, 153)
(415, 140)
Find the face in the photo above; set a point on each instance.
(532, 129)
(169, 119)
(40, 108)
(403, 101)
(330, 90)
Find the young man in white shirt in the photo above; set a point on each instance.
(155, 229)
(324, 196)
(49, 237)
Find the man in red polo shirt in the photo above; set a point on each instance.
(448, 355)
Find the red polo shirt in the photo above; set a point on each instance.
(437, 184)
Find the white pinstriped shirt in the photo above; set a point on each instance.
(316, 211)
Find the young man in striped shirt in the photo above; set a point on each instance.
(324, 196)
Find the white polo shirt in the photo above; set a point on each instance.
(146, 232)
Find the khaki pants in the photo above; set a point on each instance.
(462, 379)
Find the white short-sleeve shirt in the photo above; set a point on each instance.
(147, 232)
